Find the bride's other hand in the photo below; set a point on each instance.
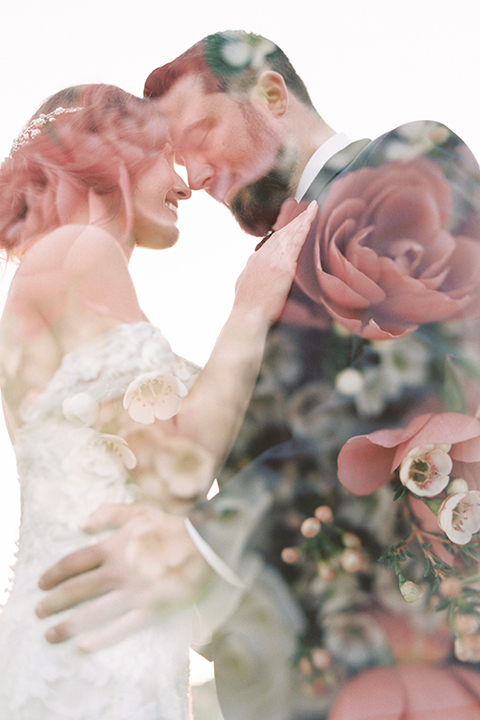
(265, 282)
(147, 567)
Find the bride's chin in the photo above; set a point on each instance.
(158, 239)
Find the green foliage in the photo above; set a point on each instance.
(454, 399)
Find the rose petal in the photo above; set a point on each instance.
(373, 695)
(363, 466)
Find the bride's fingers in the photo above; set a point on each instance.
(298, 228)
(113, 633)
(290, 209)
(74, 591)
(75, 563)
(285, 244)
(98, 612)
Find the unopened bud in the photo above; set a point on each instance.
(457, 485)
(467, 648)
(310, 527)
(290, 555)
(305, 666)
(350, 540)
(450, 588)
(324, 514)
(351, 561)
(325, 572)
(411, 591)
(321, 658)
(294, 520)
(349, 381)
(465, 624)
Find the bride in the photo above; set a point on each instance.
(82, 371)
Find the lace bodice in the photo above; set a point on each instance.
(66, 470)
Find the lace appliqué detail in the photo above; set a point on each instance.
(66, 470)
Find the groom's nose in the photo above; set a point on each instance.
(200, 175)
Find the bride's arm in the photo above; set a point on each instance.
(77, 281)
(213, 411)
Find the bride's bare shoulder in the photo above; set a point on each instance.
(77, 274)
(70, 244)
(79, 261)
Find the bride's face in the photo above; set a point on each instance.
(155, 198)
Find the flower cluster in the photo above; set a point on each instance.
(363, 434)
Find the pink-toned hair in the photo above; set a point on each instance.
(104, 145)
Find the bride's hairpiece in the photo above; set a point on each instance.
(35, 126)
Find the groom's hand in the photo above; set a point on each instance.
(147, 567)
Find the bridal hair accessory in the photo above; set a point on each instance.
(36, 125)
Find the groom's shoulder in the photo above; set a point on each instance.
(414, 138)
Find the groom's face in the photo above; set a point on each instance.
(230, 148)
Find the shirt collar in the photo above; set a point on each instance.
(319, 158)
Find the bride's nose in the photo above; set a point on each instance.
(181, 189)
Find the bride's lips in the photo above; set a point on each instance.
(172, 207)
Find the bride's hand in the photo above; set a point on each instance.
(147, 567)
(263, 286)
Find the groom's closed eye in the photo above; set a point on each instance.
(197, 135)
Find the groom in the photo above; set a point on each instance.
(244, 126)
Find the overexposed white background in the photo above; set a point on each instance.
(369, 67)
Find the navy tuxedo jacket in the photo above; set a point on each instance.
(281, 439)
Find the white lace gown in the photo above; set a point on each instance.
(65, 474)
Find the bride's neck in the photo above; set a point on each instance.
(107, 212)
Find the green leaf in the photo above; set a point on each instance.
(453, 396)
(444, 603)
(400, 492)
(428, 567)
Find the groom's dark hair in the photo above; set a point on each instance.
(230, 62)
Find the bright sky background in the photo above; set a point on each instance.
(369, 65)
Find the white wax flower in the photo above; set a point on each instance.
(119, 446)
(425, 471)
(459, 516)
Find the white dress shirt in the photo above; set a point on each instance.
(319, 158)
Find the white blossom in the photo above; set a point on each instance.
(120, 447)
(425, 471)
(153, 395)
(459, 516)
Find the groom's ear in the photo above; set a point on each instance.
(270, 90)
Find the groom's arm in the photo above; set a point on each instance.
(151, 564)
(148, 566)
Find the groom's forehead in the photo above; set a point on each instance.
(189, 107)
(187, 97)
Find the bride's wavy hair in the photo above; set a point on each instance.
(88, 136)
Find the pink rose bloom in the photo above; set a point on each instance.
(366, 462)
(410, 692)
(384, 260)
